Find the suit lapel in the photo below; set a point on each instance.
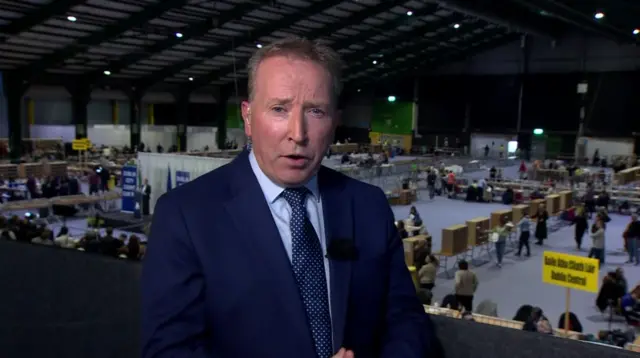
(263, 242)
(338, 222)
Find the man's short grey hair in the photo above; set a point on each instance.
(300, 48)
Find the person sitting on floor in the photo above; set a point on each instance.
(64, 240)
(614, 286)
(630, 306)
(537, 322)
(523, 313)
(574, 323)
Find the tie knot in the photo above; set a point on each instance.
(295, 196)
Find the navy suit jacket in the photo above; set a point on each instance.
(218, 283)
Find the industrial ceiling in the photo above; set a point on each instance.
(186, 45)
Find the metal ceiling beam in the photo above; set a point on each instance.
(192, 31)
(107, 33)
(326, 30)
(38, 16)
(346, 42)
(234, 42)
(417, 45)
(580, 20)
(437, 61)
(514, 17)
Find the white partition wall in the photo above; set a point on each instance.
(156, 167)
(480, 140)
(200, 137)
(65, 132)
(151, 136)
(607, 146)
(109, 134)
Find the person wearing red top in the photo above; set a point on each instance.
(522, 170)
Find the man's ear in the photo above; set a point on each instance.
(246, 117)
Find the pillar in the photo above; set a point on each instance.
(14, 87)
(221, 117)
(80, 98)
(135, 103)
(115, 112)
(182, 120)
(524, 139)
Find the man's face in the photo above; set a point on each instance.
(291, 118)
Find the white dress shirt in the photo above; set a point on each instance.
(281, 212)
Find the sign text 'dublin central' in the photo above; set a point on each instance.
(570, 271)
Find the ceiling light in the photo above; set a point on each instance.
(358, 89)
(190, 78)
(599, 15)
(259, 45)
(375, 62)
(456, 26)
(409, 13)
(107, 73)
(179, 35)
(71, 18)
(636, 31)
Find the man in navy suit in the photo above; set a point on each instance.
(274, 255)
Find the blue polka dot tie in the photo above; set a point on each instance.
(307, 262)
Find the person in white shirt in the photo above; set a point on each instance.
(43, 239)
(64, 240)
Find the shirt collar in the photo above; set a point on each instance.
(272, 190)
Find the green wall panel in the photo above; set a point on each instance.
(234, 117)
(392, 117)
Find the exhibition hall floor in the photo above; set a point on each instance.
(519, 281)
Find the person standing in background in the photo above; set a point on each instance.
(597, 235)
(632, 236)
(524, 225)
(582, 224)
(541, 224)
(146, 197)
(501, 232)
(466, 284)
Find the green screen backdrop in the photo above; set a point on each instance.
(392, 117)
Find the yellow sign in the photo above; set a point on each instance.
(81, 144)
(577, 272)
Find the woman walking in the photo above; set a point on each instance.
(501, 233)
(581, 225)
(597, 235)
(541, 224)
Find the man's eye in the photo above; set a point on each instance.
(317, 112)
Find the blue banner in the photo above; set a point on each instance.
(129, 188)
(182, 177)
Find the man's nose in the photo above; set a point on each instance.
(297, 127)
